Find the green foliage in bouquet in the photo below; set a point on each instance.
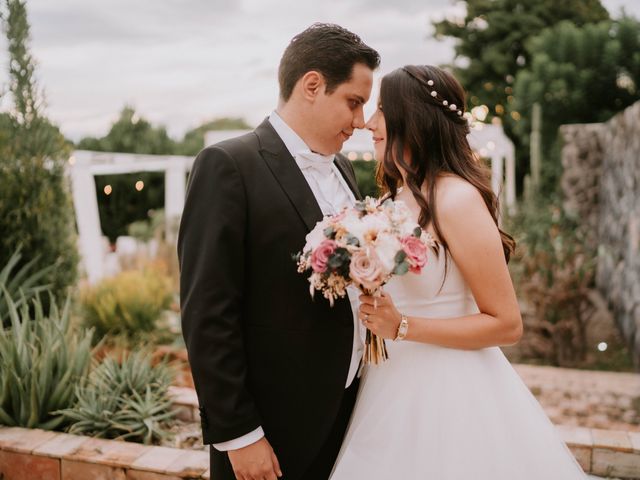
(126, 399)
(19, 284)
(42, 359)
(129, 304)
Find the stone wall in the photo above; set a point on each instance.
(601, 185)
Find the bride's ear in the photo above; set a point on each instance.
(312, 84)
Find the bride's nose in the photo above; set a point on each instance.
(371, 123)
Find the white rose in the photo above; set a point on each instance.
(354, 225)
(375, 223)
(387, 246)
(315, 236)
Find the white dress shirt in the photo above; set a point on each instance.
(332, 194)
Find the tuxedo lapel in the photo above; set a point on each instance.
(348, 175)
(289, 176)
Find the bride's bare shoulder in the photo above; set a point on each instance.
(456, 195)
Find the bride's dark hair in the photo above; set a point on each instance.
(434, 133)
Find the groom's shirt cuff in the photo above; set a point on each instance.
(241, 442)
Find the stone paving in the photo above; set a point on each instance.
(586, 398)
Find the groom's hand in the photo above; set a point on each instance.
(255, 462)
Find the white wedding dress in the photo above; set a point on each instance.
(438, 413)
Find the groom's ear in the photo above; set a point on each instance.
(312, 83)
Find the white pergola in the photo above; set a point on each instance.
(84, 165)
(489, 141)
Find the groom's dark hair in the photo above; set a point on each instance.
(328, 49)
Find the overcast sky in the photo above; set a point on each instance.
(181, 62)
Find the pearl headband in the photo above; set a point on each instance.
(452, 107)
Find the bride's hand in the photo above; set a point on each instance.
(380, 315)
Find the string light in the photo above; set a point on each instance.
(480, 112)
(139, 185)
(107, 189)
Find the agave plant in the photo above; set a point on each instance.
(126, 399)
(20, 286)
(42, 359)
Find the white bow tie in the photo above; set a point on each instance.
(315, 161)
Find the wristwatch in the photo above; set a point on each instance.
(402, 328)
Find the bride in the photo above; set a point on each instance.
(447, 405)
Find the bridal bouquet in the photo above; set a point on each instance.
(364, 246)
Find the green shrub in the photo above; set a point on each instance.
(19, 285)
(366, 176)
(36, 214)
(129, 304)
(126, 400)
(42, 359)
(125, 204)
(554, 273)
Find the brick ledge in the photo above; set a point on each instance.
(43, 455)
(61, 456)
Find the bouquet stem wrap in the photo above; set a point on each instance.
(375, 348)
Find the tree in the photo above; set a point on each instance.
(132, 134)
(193, 140)
(491, 48)
(492, 39)
(125, 204)
(578, 75)
(36, 213)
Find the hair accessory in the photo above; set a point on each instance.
(430, 83)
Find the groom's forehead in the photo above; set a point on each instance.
(360, 83)
(359, 91)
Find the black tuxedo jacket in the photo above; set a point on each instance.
(262, 352)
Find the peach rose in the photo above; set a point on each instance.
(366, 270)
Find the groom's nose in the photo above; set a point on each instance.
(358, 118)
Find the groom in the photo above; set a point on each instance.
(275, 371)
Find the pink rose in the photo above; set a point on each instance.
(416, 252)
(321, 254)
(366, 270)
